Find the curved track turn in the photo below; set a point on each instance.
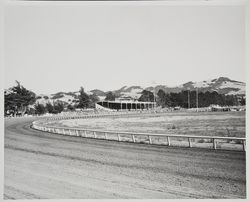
(49, 166)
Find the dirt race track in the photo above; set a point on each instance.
(49, 166)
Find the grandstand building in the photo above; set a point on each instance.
(128, 105)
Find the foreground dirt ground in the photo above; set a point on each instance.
(48, 166)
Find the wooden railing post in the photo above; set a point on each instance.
(94, 134)
(105, 134)
(214, 143)
(169, 144)
(133, 137)
(150, 140)
(118, 136)
(79, 133)
(189, 142)
(244, 145)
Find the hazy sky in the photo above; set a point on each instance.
(60, 48)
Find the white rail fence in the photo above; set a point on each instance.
(212, 142)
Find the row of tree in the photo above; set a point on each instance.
(17, 101)
(187, 99)
(83, 101)
(54, 108)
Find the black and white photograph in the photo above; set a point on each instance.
(124, 100)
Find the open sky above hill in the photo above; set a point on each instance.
(58, 48)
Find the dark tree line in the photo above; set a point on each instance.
(181, 99)
(54, 108)
(83, 101)
(204, 99)
(18, 101)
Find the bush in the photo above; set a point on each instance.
(40, 109)
(201, 141)
(49, 107)
(58, 108)
(71, 107)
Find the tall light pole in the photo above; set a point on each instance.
(188, 98)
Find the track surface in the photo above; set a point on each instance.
(49, 166)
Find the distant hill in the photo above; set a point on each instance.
(98, 92)
(222, 85)
(129, 92)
